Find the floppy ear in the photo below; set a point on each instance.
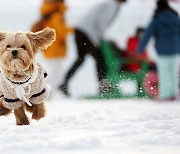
(42, 39)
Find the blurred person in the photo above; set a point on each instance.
(53, 12)
(165, 27)
(88, 36)
(132, 44)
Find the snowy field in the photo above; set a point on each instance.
(112, 127)
(75, 126)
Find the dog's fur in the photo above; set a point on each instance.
(27, 44)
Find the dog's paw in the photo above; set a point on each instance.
(24, 121)
(39, 111)
(38, 115)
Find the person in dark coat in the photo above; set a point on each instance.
(165, 28)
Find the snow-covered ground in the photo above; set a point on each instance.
(108, 127)
(75, 126)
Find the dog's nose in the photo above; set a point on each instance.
(14, 53)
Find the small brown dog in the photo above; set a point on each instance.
(21, 77)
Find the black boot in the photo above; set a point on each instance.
(64, 89)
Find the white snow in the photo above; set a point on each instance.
(76, 126)
(107, 127)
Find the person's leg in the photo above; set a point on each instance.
(100, 63)
(175, 74)
(74, 68)
(100, 67)
(168, 80)
(80, 40)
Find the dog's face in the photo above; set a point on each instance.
(18, 50)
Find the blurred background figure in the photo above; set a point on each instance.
(165, 27)
(88, 36)
(132, 44)
(130, 51)
(53, 15)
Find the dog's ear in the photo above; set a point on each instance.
(42, 39)
(2, 35)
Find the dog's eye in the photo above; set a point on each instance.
(8, 46)
(23, 46)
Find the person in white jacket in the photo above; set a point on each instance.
(88, 36)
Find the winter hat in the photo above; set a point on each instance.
(49, 7)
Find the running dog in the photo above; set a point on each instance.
(22, 85)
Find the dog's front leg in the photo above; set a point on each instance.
(39, 111)
(4, 111)
(21, 117)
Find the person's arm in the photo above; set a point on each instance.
(148, 33)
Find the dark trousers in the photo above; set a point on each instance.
(85, 47)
